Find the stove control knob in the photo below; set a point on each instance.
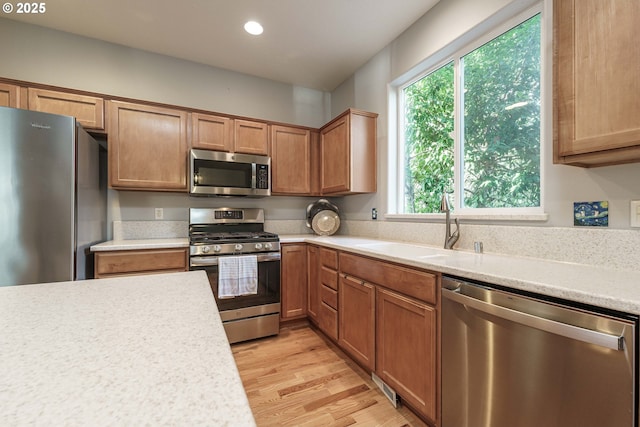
(217, 248)
(205, 249)
(238, 247)
(258, 246)
(268, 246)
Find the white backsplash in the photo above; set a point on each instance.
(617, 249)
(612, 248)
(135, 230)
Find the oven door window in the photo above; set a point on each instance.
(268, 287)
(212, 173)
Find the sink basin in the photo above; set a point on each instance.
(405, 250)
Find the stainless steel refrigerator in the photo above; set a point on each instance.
(53, 197)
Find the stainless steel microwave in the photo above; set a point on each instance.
(216, 173)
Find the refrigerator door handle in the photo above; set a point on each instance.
(601, 339)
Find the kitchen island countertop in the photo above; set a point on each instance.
(138, 350)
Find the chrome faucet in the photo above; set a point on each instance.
(449, 239)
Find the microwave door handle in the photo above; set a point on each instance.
(254, 180)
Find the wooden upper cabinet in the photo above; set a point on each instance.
(211, 132)
(290, 160)
(315, 164)
(88, 110)
(250, 137)
(348, 154)
(597, 88)
(147, 147)
(9, 95)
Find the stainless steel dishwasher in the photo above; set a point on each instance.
(511, 360)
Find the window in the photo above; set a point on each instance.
(472, 127)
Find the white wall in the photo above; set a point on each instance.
(41, 55)
(441, 26)
(46, 56)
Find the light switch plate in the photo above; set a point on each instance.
(634, 213)
(159, 213)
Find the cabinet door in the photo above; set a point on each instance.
(88, 110)
(9, 95)
(356, 314)
(406, 349)
(251, 137)
(147, 147)
(597, 90)
(335, 157)
(315, 164)
(211, 132)
(328, 320)
(290, 160)
(293, 281)
(313, 282)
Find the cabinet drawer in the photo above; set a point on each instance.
(329, 297)
(329, 277)
(412, 282)
(133, 262)
(328, 320)
(329, 258)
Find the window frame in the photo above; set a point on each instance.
(453, 53)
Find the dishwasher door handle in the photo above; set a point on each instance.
(558, 328)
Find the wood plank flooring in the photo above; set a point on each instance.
(298, 378)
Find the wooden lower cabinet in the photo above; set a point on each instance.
(313, 282)
(146, 261)
(406, 350)
(293, 282)
(328, 293)
(388, 323)
(357, 314)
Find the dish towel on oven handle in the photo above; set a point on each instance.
(248, 275)
(237, 275)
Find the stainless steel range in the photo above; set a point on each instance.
(242, 262)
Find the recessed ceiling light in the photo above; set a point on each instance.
(253, 27)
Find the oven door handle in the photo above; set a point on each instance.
(213, 260)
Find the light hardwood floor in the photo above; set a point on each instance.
(300, 379)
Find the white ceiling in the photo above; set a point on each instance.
(311, 43)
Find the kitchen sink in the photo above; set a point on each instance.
(405, 250)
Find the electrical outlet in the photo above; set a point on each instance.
(635, 213)
(159, 213)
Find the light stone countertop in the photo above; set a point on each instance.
(139, 350)
(602, 287)
(124, 245)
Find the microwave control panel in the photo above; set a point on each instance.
(262, 176)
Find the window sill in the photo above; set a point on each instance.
(533, 217)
